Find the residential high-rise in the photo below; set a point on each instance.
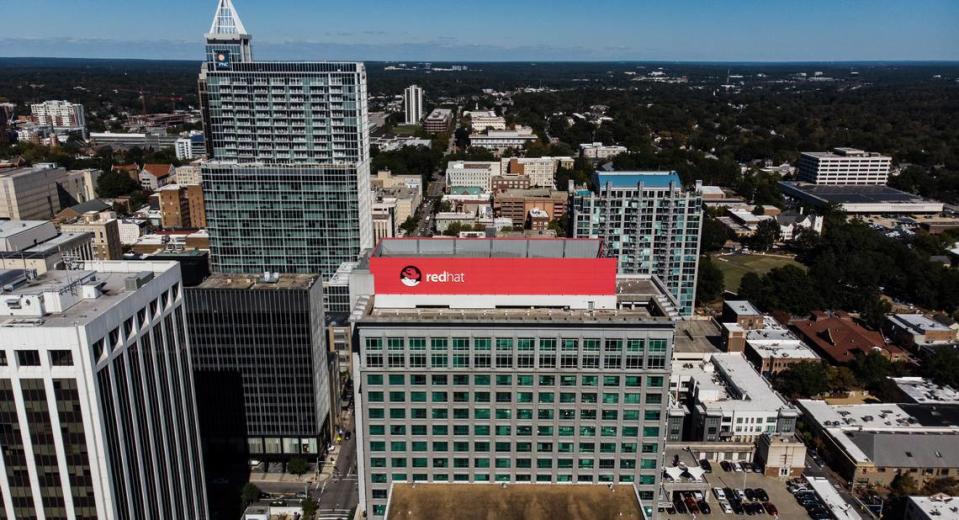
(63, 116)
(97, 414)
(413, 104)
(473, 365)
(287, 188)
(649, 222)
(844, 166)
(261, 363)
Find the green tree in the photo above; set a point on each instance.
(715, 234)
(114, 184)
(710, 281)
(841, 379)
(802, 380)
(872, 369)
(875, 310)
(310, 506)
(942, 367)
(297, 466)
(766, 235)
(409, 225)
(249, 494)
(903, 485)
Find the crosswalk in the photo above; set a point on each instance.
(332, 514)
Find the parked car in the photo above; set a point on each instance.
(707, 467)
(741, 494)
(725, 465)
(727, 509)
(704, 507)
(750, 494)
(736, 506)
(737, 467)
(771, 509)
(691, 505)
(761, 495)
(720, 494)
(680, 506)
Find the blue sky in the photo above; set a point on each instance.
(523, 30)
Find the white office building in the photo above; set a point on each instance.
(413, 104)
(96, 389)
(63, 116)
(844, 166)
(503, 139)
(485, 120)
(471, 174)
(600, 151)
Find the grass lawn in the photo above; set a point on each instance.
(735, 266)
(406, 130)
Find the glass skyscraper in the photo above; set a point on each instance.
(287, 189)
(649, 222)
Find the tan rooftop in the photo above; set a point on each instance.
(514, 502)
(258, 281)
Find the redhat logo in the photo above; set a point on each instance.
(411, 276)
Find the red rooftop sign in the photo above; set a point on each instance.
(494, 276)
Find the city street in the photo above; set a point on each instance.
(338, 495)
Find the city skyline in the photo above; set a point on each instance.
(684, 31)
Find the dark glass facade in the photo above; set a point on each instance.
(265, 348)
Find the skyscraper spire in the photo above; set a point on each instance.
(228, 42)
(226, 21)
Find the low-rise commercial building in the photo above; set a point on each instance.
(769, 346)
(36, 245)
(517, 204)
(500, 140)
(844, 166)
(155, 176)
(781, 455)
(439, 121)
(918, 332)
(873, 443)
(923, 391)
(839, 339)
(729, 400)
(600, 151)
(860, 200)
(936, 507)
(475, 174)
(485, 120)
(181, 207)
(43, 190)
(541, 171)
(105, 230)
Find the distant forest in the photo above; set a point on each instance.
(737, 112)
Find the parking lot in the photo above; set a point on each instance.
(779, 496)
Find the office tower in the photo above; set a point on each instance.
(649, 222)
(261, 363)
(63, 116)
(413, 104)
(844, 166)
(287, 189)
(43, 190)
(96, 390)
(105, 229)
(474, 365)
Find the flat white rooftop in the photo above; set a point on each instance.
(940, 507)
(830, 496)
(922, 390)
(728, 382)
